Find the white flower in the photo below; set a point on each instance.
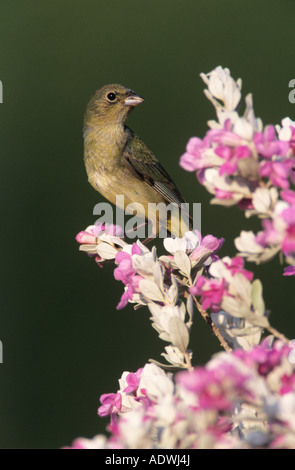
(156, 382)
(162, 315)
(97, 442)
(264, 200)
(249, 115)
(223, 87)
(285, 132)
(173, 355)
(189, 242)
(243, 128)
(285, 410)
(135, 430)
(249, 248)
(246, 243)
(237, 188)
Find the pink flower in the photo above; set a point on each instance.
(289, 271)
(111, 404)
(125, 273)
(288, 384)
(292, 140)
(224, 136)
(232, 156)
(289, 215)
(85, 237)
(211, 292)
(208, 243)
(216, 388)
(132, 288)
(126, 296)
(277, 172)
(221, 194)
(267, 144)
(269, 236)
(89, 235)
(115, 230)
(245, 204)
(264, 357)
(288, 243)
(288, 195)
(194, 158)
(237, 266)
(133, 381)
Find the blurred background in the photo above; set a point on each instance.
(64, 342)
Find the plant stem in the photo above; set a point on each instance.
(214, 328)
(277, 334)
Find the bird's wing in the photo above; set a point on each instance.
(143, 164)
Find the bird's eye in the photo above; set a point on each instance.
(111, 96)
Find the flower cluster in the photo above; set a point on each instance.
(241, 162)
(239, 400)
(278, 234)
(244, 397)
(157, 282)
(229, 289)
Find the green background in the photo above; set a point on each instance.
(64, 342)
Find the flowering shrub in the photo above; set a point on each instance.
(243, 397)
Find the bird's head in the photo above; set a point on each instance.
(110, 105)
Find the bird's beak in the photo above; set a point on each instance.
(133, 99)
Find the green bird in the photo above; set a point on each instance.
(118, 162)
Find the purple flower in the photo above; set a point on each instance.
(289, 271)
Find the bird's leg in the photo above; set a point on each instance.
(147, 240)
(152, 236)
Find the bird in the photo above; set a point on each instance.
(118, 162)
